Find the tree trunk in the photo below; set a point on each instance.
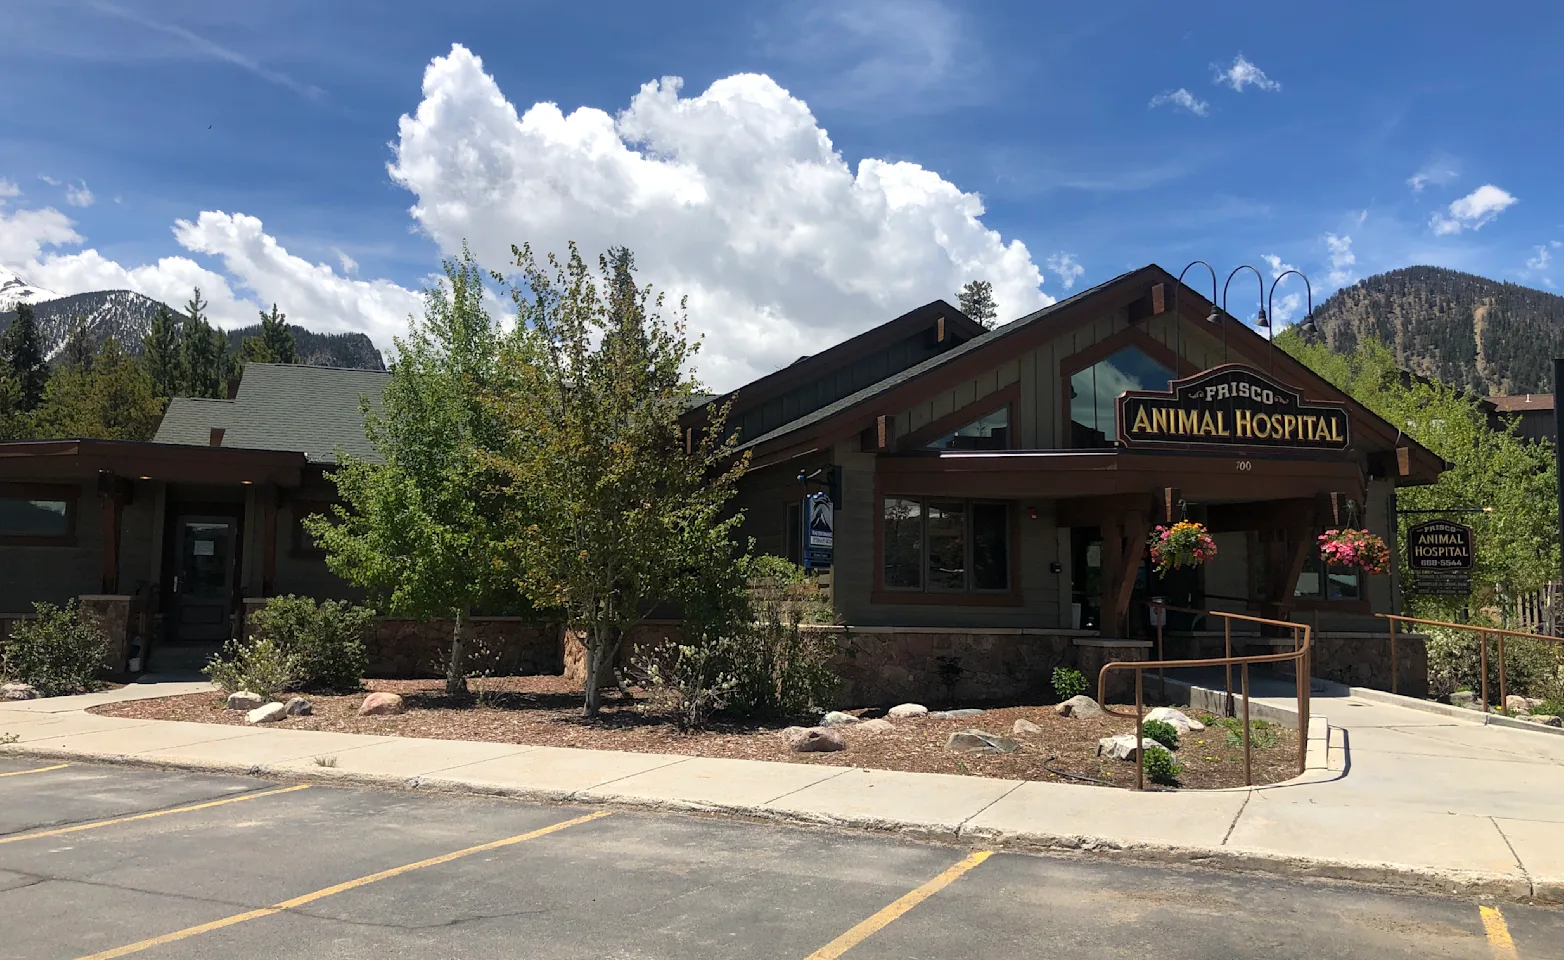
(455, 676)
(600, 656)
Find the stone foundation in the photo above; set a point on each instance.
(1363, 660)
(113, 615)
(1091, 655)
(650, 634)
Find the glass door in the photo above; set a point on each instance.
(204, 578)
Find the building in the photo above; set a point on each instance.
(993, 489)
(1531, 412)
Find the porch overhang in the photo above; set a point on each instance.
(135, 460)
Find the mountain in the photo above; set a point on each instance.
(322, 349)
(126, 316)
(1490, 337)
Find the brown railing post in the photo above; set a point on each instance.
(1227, 669)
(1302, 672)
(1140, 725)
(1482, 639)
(1392, 656)
(1504, 700)
(1248, 754)
(1162, 680)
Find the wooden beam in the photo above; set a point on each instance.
(268, 500)
(1112, 561)
(1152, 304)
(1131, 555)
(110, 518)
(1170, 499)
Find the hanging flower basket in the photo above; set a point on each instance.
(1185, 544)
(1355, 548)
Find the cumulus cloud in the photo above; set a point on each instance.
(258, 271)
(8, 188)
(1540, 263)
(1341, 257)
(1285, 308)
(1473, 211)
(1180, 98)
(1242, 74)
(734, 197)
(1066, 269)
(77, 195)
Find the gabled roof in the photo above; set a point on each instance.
(898, 391)
(310, 410)
(1525, 403)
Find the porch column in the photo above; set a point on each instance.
(268, 497)
(113, 493)
(1123, 548)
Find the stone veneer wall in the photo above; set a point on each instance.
(652, 633)
(1363, 660)
(113, 613)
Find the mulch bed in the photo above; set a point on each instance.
(547, 711)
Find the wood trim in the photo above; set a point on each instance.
(920, 598)
(69, 494)
(1006, 396)
(1359, 606)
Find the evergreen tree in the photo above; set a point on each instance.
(13, 421)
(78, 348)
(24, 360)
(976, 300)
(201, 353)
(160, 353)
(277, 338)
(113, 399)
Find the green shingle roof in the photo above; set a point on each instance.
(312, 410)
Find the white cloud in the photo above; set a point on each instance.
(1341, 259)
(78, 195)
(257, 270)
(49, 180)
(1285, 308)
(1066, 269)
(1436, 172)
(1539, 262)
(1473, 211)
(734, 197)
(1180, 98)
(349, 265)
(1278, 267)
(8, 188)
(1242, 74)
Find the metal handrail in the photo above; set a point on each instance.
(1482, 638)
(1302, 640)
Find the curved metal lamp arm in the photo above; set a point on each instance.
(1178, 346)
(1260, 314)
(1271, 298)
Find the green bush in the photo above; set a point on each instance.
(261, 666)
(1533, 668)
(60, 650)
(1549, 708)
(689, 682)
(1262, 733)
(1068, 682)
(1160, 766)
(1162, 732)
(326, 638)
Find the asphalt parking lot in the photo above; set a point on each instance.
(106, 861)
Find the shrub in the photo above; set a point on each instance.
(689, 682)
(1160, 766)
(60, 650)
(1068, 682)
(326, 638)
(260, 666)
(1162, 732)
(1262, 733)
(1532, 667)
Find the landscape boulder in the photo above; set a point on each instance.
(949, 714)
(980, 741)
(836, 717)
(299, 707)
(1122, 747)
(1025, 728)
(1515, 703)
(814, 739)
(1177, 718)
(1463, 698)
(381, 705)
(270, 713)
(908, 710)
(874, 727)
(1546, 719)
(1081, 707)
(244, 700)
(19, 691)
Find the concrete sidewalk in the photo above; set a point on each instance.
(1393, 796)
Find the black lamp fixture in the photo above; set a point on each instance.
(1261, 319)
(1178, 355)
(1308, 323)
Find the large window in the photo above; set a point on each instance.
(988, 432)
(946, 546)
(1095, 390)
(1320, 582)
(35, 518)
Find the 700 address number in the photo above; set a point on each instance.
(1243, 466)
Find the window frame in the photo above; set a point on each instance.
(299, 509)
(1010, 595)
(1102, 350)
(69, 494)
(1323, 600)
(1007, 398)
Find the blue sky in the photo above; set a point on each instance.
(256, 148)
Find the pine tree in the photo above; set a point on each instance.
(78, 351)
(976, 300)
(160, 352)
(24, 360)
(113, 400)
(277, 338)
(200, 353)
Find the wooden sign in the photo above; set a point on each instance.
(1230, 406)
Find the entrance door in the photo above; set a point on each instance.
(204, 578)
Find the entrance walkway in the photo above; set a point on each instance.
(1405, 797)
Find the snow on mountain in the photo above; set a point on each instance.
(15, 290)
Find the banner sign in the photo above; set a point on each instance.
(1231, 405)
(1439, 545)
(819, 531)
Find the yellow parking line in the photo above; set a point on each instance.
(18, 773)
(881, 920)
(335, 889)
(147, 816)
(1498, 934)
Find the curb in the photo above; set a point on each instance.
(1449, 710)
(1389, 876)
